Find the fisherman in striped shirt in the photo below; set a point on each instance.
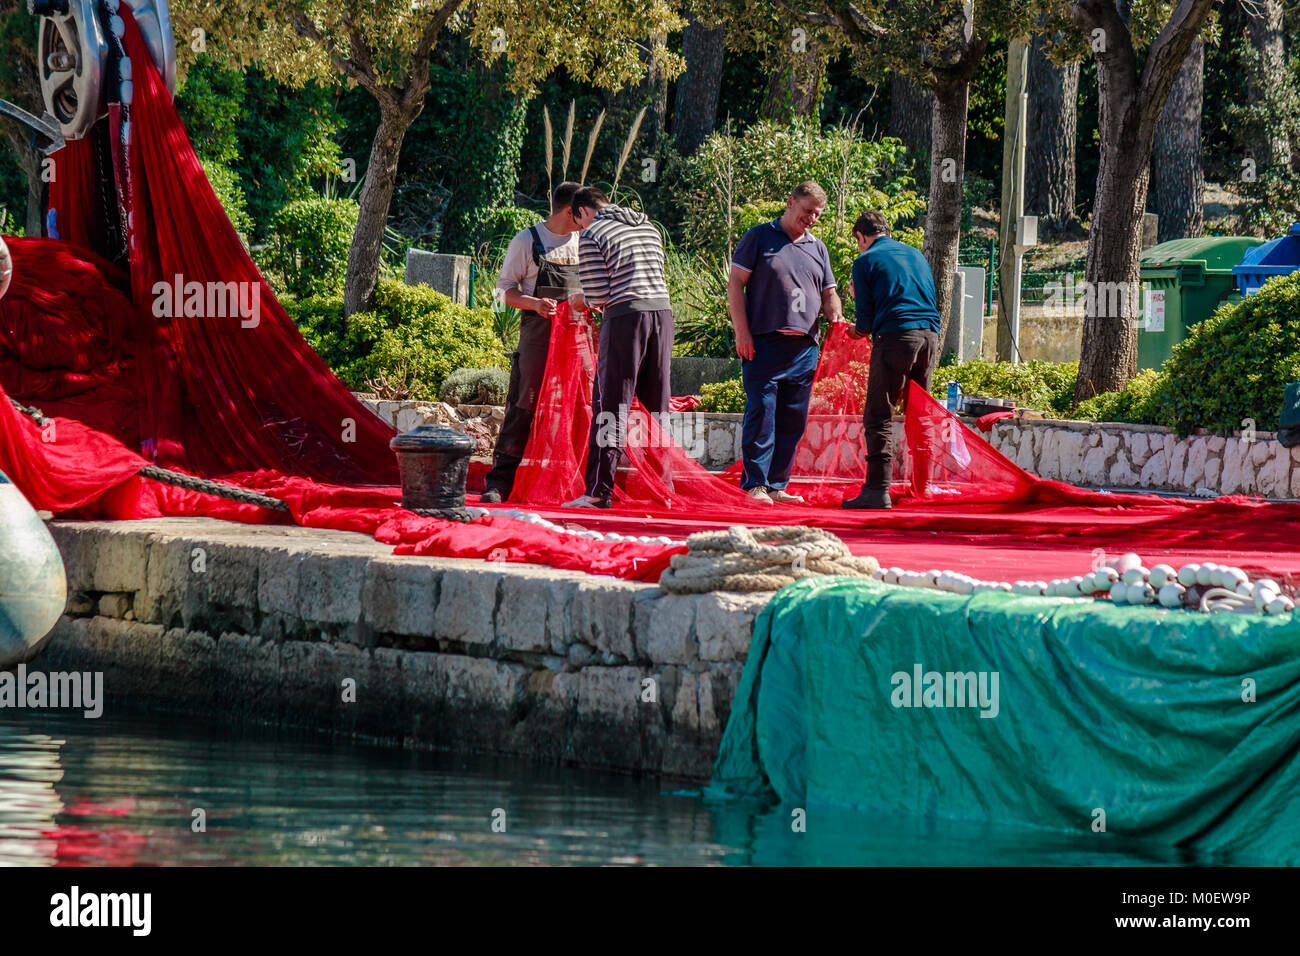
(621, 266)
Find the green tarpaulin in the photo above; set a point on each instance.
(1165, 726)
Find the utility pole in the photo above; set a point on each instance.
(1013, 199)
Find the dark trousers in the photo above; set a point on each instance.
(633, 363)
(896, 359)
(527, 366)
(778, 384)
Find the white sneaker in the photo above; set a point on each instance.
(780, 496)
(587, 501)
(760, 494)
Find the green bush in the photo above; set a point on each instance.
(762, 164)
(1144, 401)
(309, 245)
(1046, 386)
(1232, 367)
(225, 183)
(701, 317)
(415, 336)
(728, 396)
(475, 386)
(1235, 365)
(501, 225)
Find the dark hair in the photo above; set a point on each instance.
(809, 189)
(871, 223)
(589, 197)
(562, 197)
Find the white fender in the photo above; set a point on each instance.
(33, 585)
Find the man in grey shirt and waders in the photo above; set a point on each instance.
(622, 271)
(539, 272)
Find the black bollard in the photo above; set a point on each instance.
(434, 463)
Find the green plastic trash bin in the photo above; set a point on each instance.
(1183, 282)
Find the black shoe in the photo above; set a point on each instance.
(490, 497)
(868, 499)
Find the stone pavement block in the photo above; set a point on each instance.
(186, 664)
(278, 580)
(467, 604)
(329, 590)
(664, 625)
(114, 605)
(600, 615)
(121, 559)
(228, 573)
(252, 681)
(167, 581)
(400, 596)
(724, 624)
(533, 615)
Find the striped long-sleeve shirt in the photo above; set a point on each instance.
(621, 263)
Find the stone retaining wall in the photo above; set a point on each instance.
(1094, 454)
(243, 622)
(1149, 457)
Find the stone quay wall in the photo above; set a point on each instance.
(270, 624)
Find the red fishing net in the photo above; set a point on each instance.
(225, 382)
(126, 385)
(657, 472)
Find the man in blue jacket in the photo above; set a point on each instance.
(893, 289)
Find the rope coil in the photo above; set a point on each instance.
(745, 559)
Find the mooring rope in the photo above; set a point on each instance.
(180, 479)
(742, 559)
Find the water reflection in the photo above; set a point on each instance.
(124, 790)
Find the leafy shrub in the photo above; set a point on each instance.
(728, 396)
(414, 335)
(500, 225)
(1035, 384)
(701, 317)
(1144, 401)
(475, 386)
(225, 183)
(762, 164)
(1236, 364)
(309, 245)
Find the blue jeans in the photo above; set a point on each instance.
(778, 383)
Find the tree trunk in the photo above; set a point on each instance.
(655, 87)
(1109, 350)
(1177, 179)
(794, 86)
(1129, 109)
(943, 208)
(30, 162)
(376, 197)
(1265, 25)
(911, 112)
(696, 107)
(1052, 139)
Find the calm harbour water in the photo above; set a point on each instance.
(122, 790)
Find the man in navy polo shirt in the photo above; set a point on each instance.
(780, 283)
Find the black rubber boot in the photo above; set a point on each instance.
(869, 498)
